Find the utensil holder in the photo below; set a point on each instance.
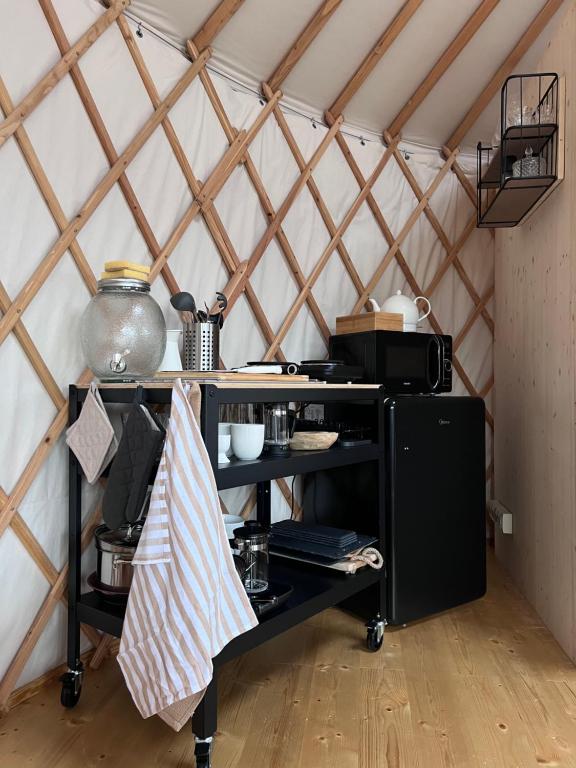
(201, 347)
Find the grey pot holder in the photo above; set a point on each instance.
(91, 438)
(130, 474)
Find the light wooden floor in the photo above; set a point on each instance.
(483, 685)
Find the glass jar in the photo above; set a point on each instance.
(276, 429)
(529, 165)
(122, 331)
(251, 542)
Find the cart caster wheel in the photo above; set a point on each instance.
(202, 752)
(375, 634)
(71, 688)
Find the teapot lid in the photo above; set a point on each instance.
(399, 296)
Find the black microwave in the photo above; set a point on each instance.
(402, 362)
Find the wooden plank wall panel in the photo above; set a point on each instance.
(204, 196)
(535, 369)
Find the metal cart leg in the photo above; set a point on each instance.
(72, 679)
(264, 502)
(204, 723)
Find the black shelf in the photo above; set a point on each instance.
(314, 589)
(517, 139)
(504, 200)
(102, 614)
(238, 473)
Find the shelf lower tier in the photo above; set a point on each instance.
(238, 473)
(315, 589)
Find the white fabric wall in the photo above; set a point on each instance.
(74, 162)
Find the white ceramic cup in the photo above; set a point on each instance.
(247, 440)
(223, 446)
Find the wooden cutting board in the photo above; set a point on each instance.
(227, 376)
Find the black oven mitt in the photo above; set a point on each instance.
(130, 472)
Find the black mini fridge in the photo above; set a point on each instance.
(435, 504)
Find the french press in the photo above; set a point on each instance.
(251, 542)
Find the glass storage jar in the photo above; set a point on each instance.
(251, 541)
(529, 165)
(122, 331)
(276, 430)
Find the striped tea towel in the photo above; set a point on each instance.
(186, 601)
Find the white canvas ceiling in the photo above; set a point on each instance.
(252, 44)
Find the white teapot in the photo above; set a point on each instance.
(404, 305)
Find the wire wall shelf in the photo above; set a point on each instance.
(526, 161)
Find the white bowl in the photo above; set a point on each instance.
(247, 441)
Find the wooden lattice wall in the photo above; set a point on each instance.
(204, 193)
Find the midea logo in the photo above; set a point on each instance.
(443, 422)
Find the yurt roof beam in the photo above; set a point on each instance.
(215, 22)
(527, 38)
(365, 69)
(449, 55)
(306, 37)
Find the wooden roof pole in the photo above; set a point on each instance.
(306, 37)
(384, 42)
(215, 22)
(447, 58)
(491, 89)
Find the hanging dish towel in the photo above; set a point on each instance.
(91, 438)
(186, 600)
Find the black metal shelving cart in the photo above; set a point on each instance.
(314, 588)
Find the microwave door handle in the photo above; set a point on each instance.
(438, 357)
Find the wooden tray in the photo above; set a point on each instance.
(369, 321)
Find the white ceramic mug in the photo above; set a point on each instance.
(247, 441)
